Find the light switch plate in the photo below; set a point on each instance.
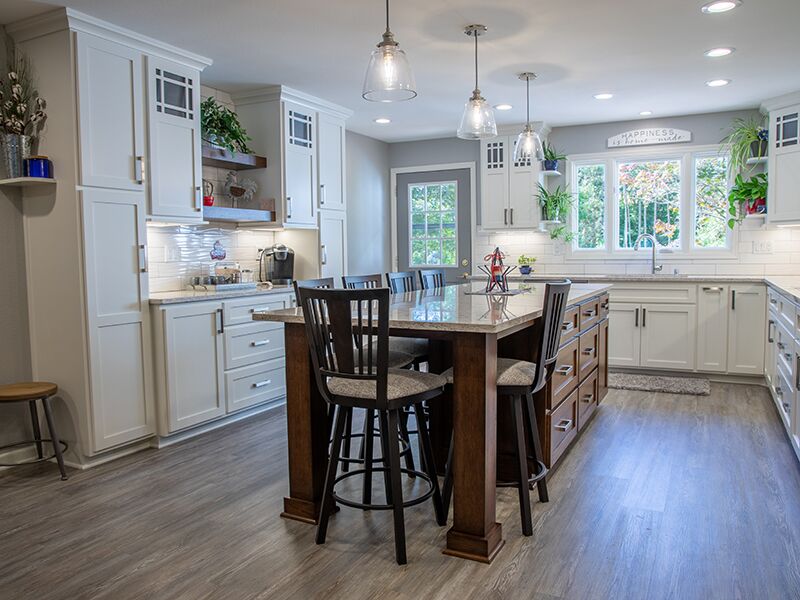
(172, 254)
(762, 247)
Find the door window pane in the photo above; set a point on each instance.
(432, 224)
(649, 201)
(711, 202)
(591, 206)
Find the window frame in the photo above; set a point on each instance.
(425, 184)
(687, 251)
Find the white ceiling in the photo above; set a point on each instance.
(649, 53)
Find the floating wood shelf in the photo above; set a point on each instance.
(27, 181)
(551, 173)
(235, 161)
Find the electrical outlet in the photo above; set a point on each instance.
(762, 247)
(172, 254)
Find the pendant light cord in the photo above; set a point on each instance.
(528, 104)
(475, 34)
(387, 16)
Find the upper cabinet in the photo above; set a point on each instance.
(173, 100)
(783, 202)
(508, 187)
(300, 165)
(330, 164)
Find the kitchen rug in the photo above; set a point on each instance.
(691, 386)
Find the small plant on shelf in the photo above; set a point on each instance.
(747, 197)
(556, 204)
(746, 139)
(526, 264)
(221, 127)
(551, 157)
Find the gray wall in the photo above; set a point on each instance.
(368, 218)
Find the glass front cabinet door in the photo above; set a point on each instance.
(783, 202)
(174, 141)
(300, 180)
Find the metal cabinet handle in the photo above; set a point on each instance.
(787, 355)
(142, 251)
(505, 216)
(324, 254)
(288, 207)
(564, 370)
(138, 167)
(564, 425)
(733, 299)
(589, 313)
(712, 289)
(511, 212)
(567, 326)
(779, 392)
(220, 321)
(770, 325)
(636, 319)
(261, 384)
(797, 372)
(644, 317)
(773, 301)
(781, 346)
(588, 351)
(258, 343)
(587, 398)
(198, 199)
(259, 309)
(322, 194)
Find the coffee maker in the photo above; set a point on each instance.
(276, 264)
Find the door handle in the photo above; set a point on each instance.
(198, 199)
(138, 167)
(220, 321)
(142, 258)
(505, 216)
(733, 299)
(644, 317)
(322, 194)
(770, 325)
(324, 254)
(636, 318)
(288, 207)
(511, 213)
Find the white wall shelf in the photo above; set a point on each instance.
(26, 181)
(551, 173)
(757, 160)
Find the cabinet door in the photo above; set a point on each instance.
(331, 162)
(668, 336)
(712, 327)
(602, 367)
(193, 338)
(624, 338)
(174, 141)
(784, 167)
(523, 209)
(746, 325)
(118, 319)
(110, 114)
(494, 183)
(300, 166)
(333, 243)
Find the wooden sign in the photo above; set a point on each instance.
(650, 136)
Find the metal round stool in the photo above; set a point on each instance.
(30, 392)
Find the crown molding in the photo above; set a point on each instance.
(780, 102)
(73, 20)
(272, 93)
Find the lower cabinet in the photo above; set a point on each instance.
(333, 243)
(212, 359)
(746, 329)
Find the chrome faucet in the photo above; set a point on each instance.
(649, 236)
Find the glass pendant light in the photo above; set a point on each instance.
(389, 77)
(477, 122)
(529, 144)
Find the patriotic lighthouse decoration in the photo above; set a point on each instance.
(496, 271)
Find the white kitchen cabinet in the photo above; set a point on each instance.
(770, 355)
(173, 96)
(712, 322)
(111, 113)
(783, 202)
(120, 348)
(667, 336)
(333, 243)
(508, 187)
(193, 364)
(331, 165)
(300, 161)
(746, 326)
(255, 384)
(624, 340)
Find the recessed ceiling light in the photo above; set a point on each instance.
(646, 113)
(720, 6)
(718, 82)
(718, 52)
(383, 121)
(503, 106)
(603, 96)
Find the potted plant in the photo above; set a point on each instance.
(551, 157)
(525, 264)
(220, 127)
(555, 205)
(747, 197)
(747, 139)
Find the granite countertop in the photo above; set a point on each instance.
(182, 296)
(452, 309)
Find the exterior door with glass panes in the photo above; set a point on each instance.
(175, 169)
(300, 165)
(434, 222)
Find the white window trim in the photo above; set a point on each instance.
(610, 159)
(441, 239)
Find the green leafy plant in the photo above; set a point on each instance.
(555, 204)
(221, 127)
(526, 261)
(745, 193)
(743, 142)
(550, 153)
(561, 232)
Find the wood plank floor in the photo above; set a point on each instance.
(665, 496)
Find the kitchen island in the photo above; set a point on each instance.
(472, 324)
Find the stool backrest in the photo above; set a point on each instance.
(360, 282)
(323, 283)
(334, 319)
(431, 278)
(402, 282)
(555, 303)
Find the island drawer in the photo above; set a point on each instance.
(589, 313)
(252, 343)
(589, 343)
(570, 324)
(565, 372)
(587, 399)
(562, 425)
(255, 384)
(240, 310)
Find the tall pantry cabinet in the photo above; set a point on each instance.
(85, 243)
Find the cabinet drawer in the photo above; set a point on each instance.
(253, 343)
(784, 348)
(589, 344)
(604, 303)
(785, 310)
(563, 423)
(587, 399)
(785, 394)
(570, 324)
(255, 384)
(673, 293)
(589, 314)
(565, 372)
(239, 311)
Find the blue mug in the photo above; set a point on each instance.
(39, 166)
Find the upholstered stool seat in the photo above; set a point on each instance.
(510, 372)
(400, 384)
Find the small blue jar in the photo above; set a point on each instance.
(39, 166)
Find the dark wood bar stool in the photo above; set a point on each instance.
(518, 381)
(431, 278)
(364, 380)
(401, 283)
(30, 392)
